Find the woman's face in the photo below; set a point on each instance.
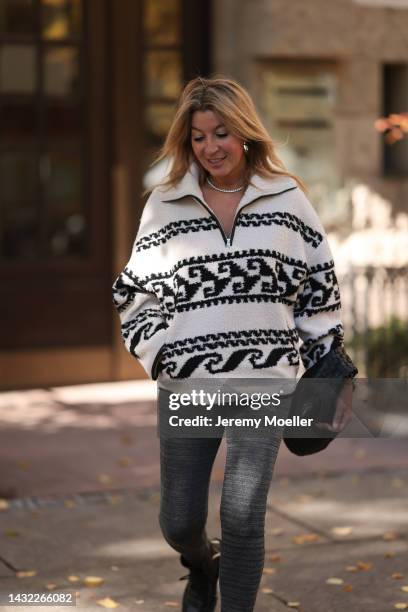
(218, 151)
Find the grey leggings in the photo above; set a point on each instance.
(186, 465)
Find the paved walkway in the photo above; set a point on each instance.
(80, 489)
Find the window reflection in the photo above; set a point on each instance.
(162, 22)
(51, 219)
(17, 17)
(19, 233)
(18, 123)
(19, 210)
(62, 179)
(67, 235)
(158, 118)
(163, 70)
(63, 122)
(17, 69)
(62, 176)
(60, 19)
(163, 74)
(298, 101)
(61, 71)
(17, 176)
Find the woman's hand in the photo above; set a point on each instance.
(343, 413)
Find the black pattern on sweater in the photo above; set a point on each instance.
(205, 224)
(313, 349)
(226, 351)
(282, 218)
(231, 278)
(142, 327)
(320, 292)
(220, 257)
(185, 226)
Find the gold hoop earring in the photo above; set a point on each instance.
(246, 148)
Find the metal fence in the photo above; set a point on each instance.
(375, 315)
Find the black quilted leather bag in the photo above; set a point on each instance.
(318, 400)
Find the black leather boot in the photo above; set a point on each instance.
(200, 594)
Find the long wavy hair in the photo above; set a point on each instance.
(233, 104)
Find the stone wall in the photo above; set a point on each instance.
(357, 38)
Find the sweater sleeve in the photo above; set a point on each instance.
(143, 324)
(317, 310)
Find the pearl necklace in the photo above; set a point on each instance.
(222, 189)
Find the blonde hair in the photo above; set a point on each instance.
(233, 104)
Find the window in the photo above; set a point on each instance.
(176, 48)
(41, 133)
(163, 68)
(298, 105)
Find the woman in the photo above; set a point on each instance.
(230, 276)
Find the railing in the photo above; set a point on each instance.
(375, 315)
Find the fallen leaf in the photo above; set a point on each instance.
(105, 478)
(172, 604)
(401, 606)
(93, 581)
(114, 499)
(107, 603)
(269, 570)
(124, 461)
(4, 504)
(69, 503)
(11, 533)
(305, 537)
(73, 578)
(274, 558)
(155, 498)
(398, 483)
(50, 586)
(342, 531)
(363, 565)
(293, 604)
(23, 465)
(390, 535)
(125, 439)
(284, 481)
(389, 555)
(397, 576)
(276, 531)
(347, 587)
(266, 590)
(404, 588)
(334, 581)
(304, 499)
(360, 453)
(351, 568)
(26, 573)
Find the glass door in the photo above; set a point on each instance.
(54, 207)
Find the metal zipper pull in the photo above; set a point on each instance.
(228, 243)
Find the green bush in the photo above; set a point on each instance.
(382, 352)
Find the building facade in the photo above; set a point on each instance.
(87, 92)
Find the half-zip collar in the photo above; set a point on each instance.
(260, 187)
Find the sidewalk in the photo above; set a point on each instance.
(82, 467)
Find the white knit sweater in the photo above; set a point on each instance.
(196, 304)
